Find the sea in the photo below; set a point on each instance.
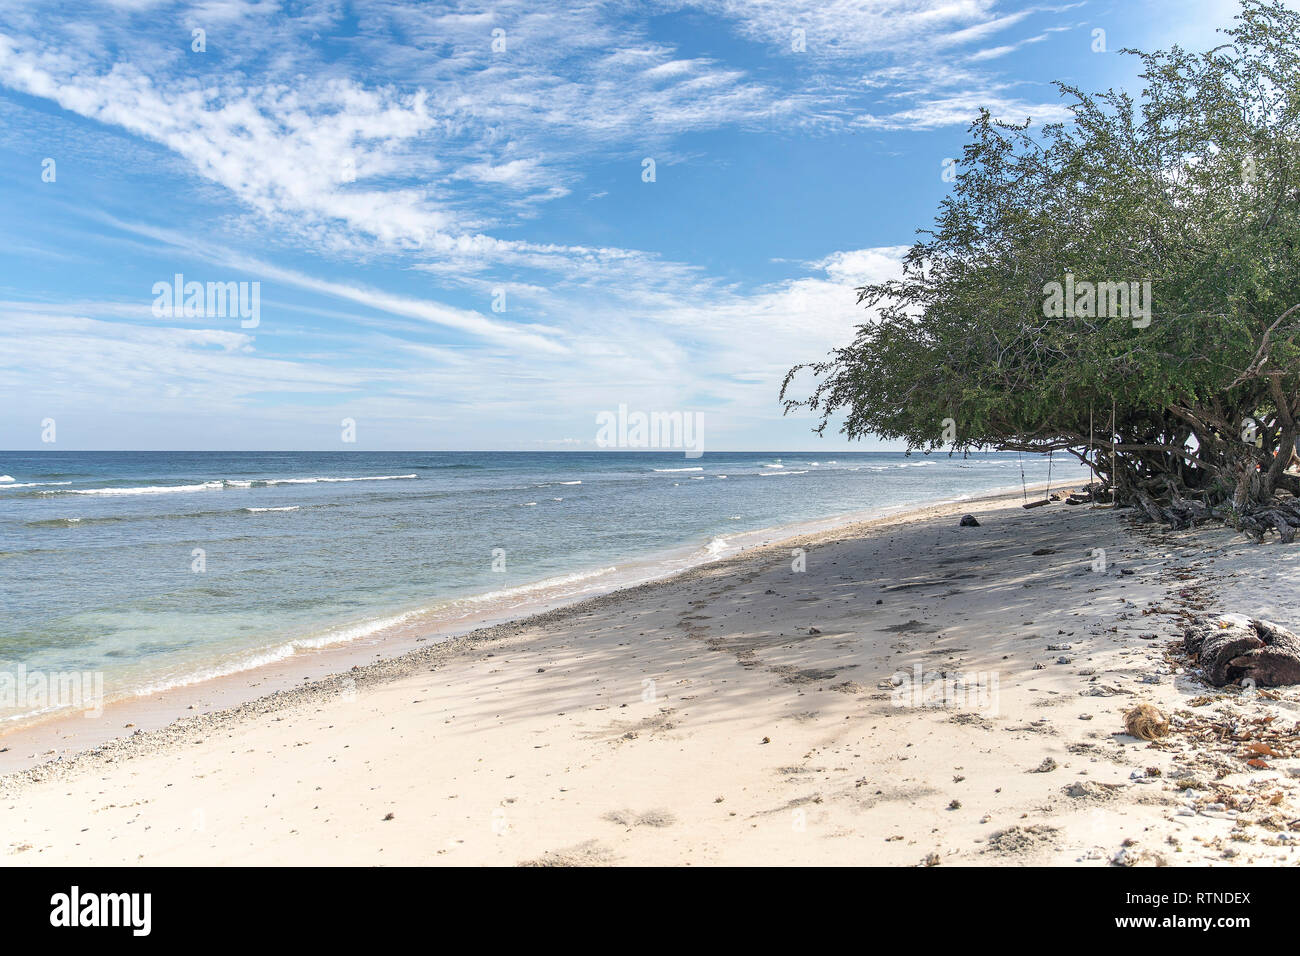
(156, 570)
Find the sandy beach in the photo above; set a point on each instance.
(758, 710)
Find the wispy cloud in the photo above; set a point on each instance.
(385, 167)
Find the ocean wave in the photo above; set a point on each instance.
(54, 523)
(174, 516)
(780, 474)
(143, 490)
(524, 589)
(29, 484)
(313, 481)
(257, 659)
(668, 470)
(457, 466)
(215, 485)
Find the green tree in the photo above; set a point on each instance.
(1192, 187)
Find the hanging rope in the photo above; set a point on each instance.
(1024, 489)
(1048, 494)
(1092, 454)
(1114, 475)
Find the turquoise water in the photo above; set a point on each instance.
(157, 569)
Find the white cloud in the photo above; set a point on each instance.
(960, 109)
(321, 152)
(681, 346)
(533, 337)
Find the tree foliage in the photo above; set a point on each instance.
(1194, 186)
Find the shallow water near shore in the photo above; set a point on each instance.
(161, 570)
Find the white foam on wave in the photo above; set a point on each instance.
(313, 481)
(569, 482)
(717, 546)
(145, 490)
(523, 590)
(286, 508)
(666, 470)
(4, 478)
(31, 484)
(217, 485)
(781, 474)
(257, 659)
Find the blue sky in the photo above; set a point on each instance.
(384, 174)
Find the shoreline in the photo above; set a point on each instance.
(60, 733)
(746, 712)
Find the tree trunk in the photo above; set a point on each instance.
(1233, 649)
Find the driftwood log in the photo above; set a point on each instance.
(1233, 648)
(1090, 494)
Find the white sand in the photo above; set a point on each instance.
(699, 721)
